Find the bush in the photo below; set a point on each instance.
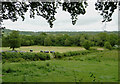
(108, 45)
(58, 55)
(21, 56)
(8, 70)
(27, 55)
(69, 54)
(16, 59)
(87, 45)
(70, 58)
(42, 56)
(3, 61)
(8, 55)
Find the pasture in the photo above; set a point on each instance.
(49, 48)
(93, 67)
(46, 48)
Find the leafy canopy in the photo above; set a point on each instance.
(14, 40)
(47, 10)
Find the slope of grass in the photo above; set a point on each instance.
(66, 70)
(97, 56)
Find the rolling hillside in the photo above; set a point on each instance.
(7, 31)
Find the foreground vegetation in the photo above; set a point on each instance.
(31, 56)
(91, 67)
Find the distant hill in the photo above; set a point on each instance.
(7, 31)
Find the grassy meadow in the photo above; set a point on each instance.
(49, 48)
(93, 67)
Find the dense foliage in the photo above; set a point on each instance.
(69, 54)
(47, 10)
(21, 56)
(12, 40)
(87, 44)
(108, 45)
(44, 39)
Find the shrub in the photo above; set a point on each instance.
(47, 56)
(16, 59)
(21, 56)
(108, 45)
(87, 45)
(43, 56)
(8, 55)
(27, 55)
(8, 70)
(85, 52)
(70, 58)
(58, 55)
(48, 64)
(3, 61)
(69, 54)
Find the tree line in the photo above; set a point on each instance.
(43, 39)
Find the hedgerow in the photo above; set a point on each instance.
(71, 53)
(21, 56)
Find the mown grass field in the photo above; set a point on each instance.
(48, 48)
(93, 67)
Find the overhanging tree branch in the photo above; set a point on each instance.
(47, 10)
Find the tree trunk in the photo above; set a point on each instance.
(13, 49)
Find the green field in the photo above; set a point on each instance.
(93, 67)
(49, 48)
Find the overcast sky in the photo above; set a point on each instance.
(91, 21)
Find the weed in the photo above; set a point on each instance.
(48, 64)
(92, 76)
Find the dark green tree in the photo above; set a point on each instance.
(52, 37)
(14, 40)
(59, 40)
(39, 40)
(75, 40)
(27, 40)
(82, 40)
(47, 41)
(102, 38)
(5, 41)
(68, 42)
(108, 45)
(113, 39)
(87, 44)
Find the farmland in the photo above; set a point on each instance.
(93, 67)
(76, 58)
(49, 48)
